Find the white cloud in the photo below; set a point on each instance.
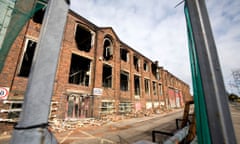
(157, 29)
(225, 20)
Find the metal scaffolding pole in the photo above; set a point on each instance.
(32, 126)
(215, 96)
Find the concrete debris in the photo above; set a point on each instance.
(59, 125)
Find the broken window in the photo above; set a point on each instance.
(39, 14)
(125, 107)
(27, 59)
(136, 63)
(154, 88)
(160, 90)
(147, 88)
(79, 70)
(136, 85)
(83, 38)
(107, 107)
(107, 76)
(124, 54)
(145, 66)
(124, 78)
(155, 69)
(107, 49)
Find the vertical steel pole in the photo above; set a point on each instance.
(32, 126)
(219, 118)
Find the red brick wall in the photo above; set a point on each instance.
(9, 78)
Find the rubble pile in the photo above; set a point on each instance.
(61, 125)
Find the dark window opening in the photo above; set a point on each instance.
(27, 58)
(160, 90)
(14, 114)
(79, 70)
(154, 88)
(107, 49)
(136, 85)
(124, 55)
(39, 14)
(147, 88)
(145, 66)
(107, 76)
(124, 78)
(155, 70)
(136, 63)
(83, 39)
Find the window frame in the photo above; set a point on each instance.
(147, 89)
(81, 83)
(145, 66)
(127, 54)
(26, 41)
(92, 33)
(111, 81)
(108, 49)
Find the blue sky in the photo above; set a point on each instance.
(158, 30)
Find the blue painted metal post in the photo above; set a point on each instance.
(32, 126)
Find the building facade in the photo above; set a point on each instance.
(97, 74)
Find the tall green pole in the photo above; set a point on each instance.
(214, 123)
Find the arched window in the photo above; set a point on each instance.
(107, 49)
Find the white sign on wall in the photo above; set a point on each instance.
(4, 91)
(97, 91)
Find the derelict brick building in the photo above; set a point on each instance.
(97, 74)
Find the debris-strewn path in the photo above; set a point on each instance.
(122, 131)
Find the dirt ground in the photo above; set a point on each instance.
(126, 131)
